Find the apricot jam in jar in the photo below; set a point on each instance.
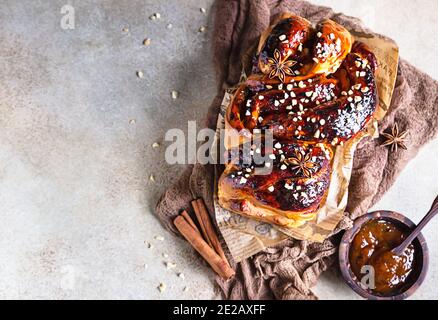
(371, 247)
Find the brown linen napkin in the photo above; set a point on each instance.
(290, 269)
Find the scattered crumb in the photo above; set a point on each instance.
(165, 255)
(132, 121)
(150, 245)
(152, 178)
(159, 238)
(170, 265)
(155, 145)
(155, 16)
(125, 30)
(202, 29)
(202, 10)
(174, 94)
(186, 289)
(162, 287)
(181, 275)
(169, 26)
(140, 74)
(147, 41)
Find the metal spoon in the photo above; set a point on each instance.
(414, 233)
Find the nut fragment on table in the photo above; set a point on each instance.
(155, 16)
(174, 94)
(162, 287)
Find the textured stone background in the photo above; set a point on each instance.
(77, 126)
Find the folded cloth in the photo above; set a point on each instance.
(290, 269)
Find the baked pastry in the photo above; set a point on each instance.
(314, 88)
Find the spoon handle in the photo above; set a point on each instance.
(432, 212)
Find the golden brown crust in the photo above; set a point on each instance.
(314, 89)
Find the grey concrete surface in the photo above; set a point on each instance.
(76, 149)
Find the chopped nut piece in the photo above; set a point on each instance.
(181, 275)
(186, 289)
(147, 42)
(169, 26)
(140, 74)
(152, 178)
(125, 29)
(288, 186)
(155, 145)
(162, 287)
(159, 238)
(155, 16)
(174, 94)
(165, 255)
(202, 29)
(170, 265)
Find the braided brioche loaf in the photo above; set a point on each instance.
(314, 88)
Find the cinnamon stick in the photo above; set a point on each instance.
(210, 230)
(219, 265)
(190, 221)
(201, 221)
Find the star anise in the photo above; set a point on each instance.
(301, 164)
(279, 68)
(395, 139)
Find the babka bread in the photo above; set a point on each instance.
(312, 88)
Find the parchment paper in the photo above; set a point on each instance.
(245, 237)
